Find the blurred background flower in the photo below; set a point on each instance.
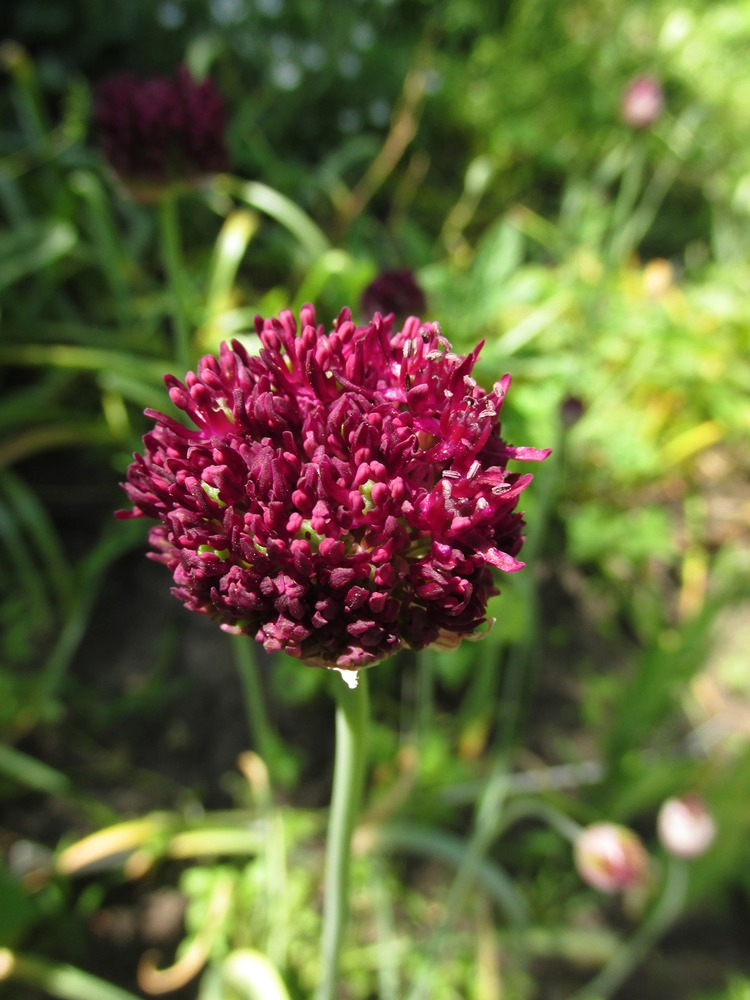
(642, 102)
(685, 826)
(159, 130)
(610, 857)
(395, 291)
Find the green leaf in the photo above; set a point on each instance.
(252, 976)
(277, 206)
(32, 247)
(65, 982)
(33, 774)
(17, 912)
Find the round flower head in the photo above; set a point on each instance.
(340, 496)
(610, 857)
(685, 827)
(157, 130)
(642, 102)
(394, 292)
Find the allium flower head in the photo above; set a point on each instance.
(610, 857)
(340, 495)
(156, 130)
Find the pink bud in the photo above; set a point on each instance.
(642, 102)
(685, 827)
(610, 857)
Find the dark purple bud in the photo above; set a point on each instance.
(571, 410)
(394, 292)
(156, 131)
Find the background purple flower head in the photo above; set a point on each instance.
(396, 292)
(156, 130)
(340, 496)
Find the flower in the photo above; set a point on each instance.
(342, 495)
(394, 292)
(157, 130)
(685, 827)
(642, 102)
(610, 857)
(572, 409)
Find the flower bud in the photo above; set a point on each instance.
(610, 857)
(571, 411)
(394, 292)
(642, 102)
(685, 827)
(159, 131)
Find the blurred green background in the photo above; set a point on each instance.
(490, 149)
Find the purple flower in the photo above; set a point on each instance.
(642, 102)
(341, 495)
(394, 292)
(156, 130)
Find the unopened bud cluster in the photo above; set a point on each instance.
(612, 858)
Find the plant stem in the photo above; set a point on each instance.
(486, 826)
(171, 251)
(255, 706)
(627, 958)
(57, 979)
(348, 778)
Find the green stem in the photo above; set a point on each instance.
(486, 825)
(171, 250)
(424, 716)
(631, 183)
(348, 778)
(107, 245)
(57, 979)
(451, 849)
(630, 956)
(492, 819)
(255, 706)
(525, 808)
(679, 141)
(385, 930)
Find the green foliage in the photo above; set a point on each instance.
(17, 910)
(738, 988)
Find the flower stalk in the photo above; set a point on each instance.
(171, 250)
(255, 701)
(624, 962)
(57, 979)
(352, 715)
